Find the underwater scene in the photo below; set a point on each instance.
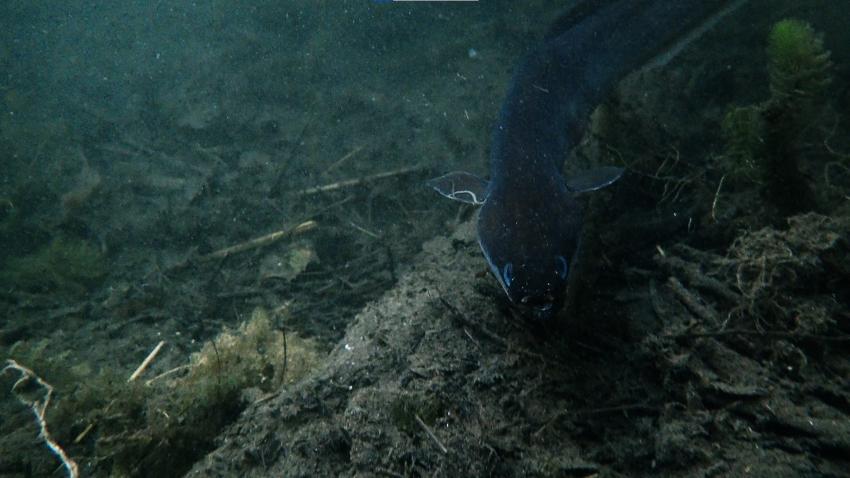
(300, 238)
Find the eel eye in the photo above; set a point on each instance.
(508, 274)
(561, 267)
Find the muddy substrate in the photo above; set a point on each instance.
(681, 370)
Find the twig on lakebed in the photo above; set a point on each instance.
(358, 181)
(344, 158)
(692, 301)
(146, 362)
(83, 434)
(260, 241)
(39, 409)
(167, 373)
(430, 434)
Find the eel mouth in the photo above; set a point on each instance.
(539, 308)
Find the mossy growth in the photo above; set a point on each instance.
(254, 355)
(186, 413)
(65, 264)
(162, 426)
(799, 65)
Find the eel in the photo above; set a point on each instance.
(530, 219)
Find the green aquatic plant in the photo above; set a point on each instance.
(762, 140)
(64, 265)
(799, 65)
(744, 131)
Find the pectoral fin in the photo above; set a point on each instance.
(594, 179)
(461, 186)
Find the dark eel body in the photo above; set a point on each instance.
(530, 220)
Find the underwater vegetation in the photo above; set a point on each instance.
(799, 65)
(163, 424)
(763, 139)
(64, 265)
